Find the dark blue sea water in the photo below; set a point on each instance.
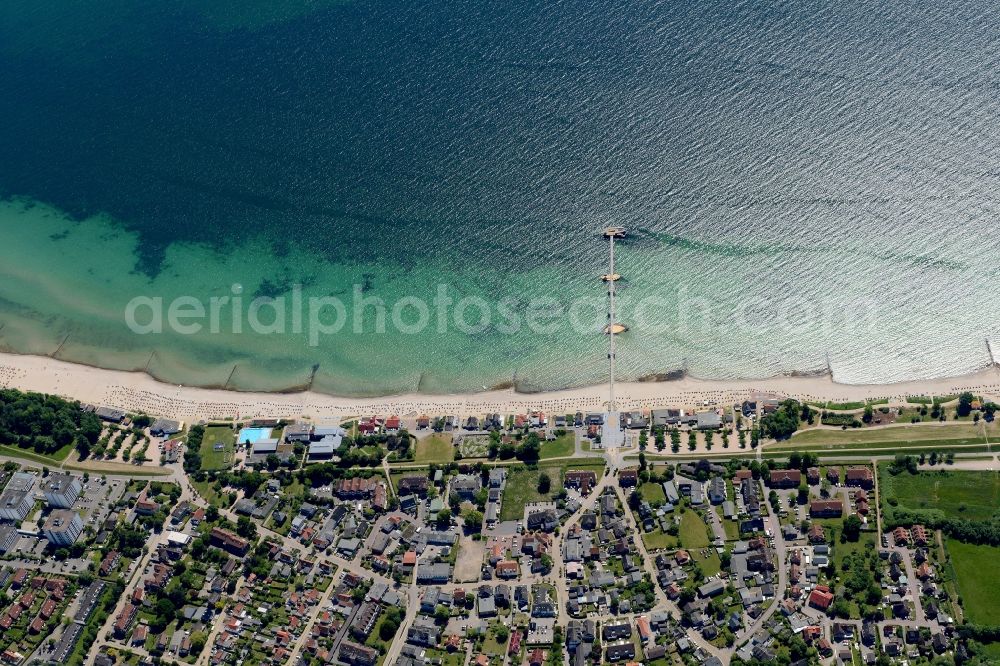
(807, 185)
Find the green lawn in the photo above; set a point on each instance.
(693, 531)
(294, 489)
(652, 492)
(656, 540)
(561, 447)
(223, 458)
(948, 492)
(206, 490)
(522, 489)
(434, 448)
(710, 565)
(491, 645)
(867, 541)
(952, 433)
(29, 454)
(840, 406)
(991, 652)
(447, 658)
(522, 484)
(973, 566)
(929, 401)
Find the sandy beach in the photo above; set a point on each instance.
(135, 392)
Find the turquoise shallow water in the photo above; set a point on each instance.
(806, 185)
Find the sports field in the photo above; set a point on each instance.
(217, 447)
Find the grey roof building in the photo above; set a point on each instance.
(61, 490)
(709, 421)
(164, 428)
(17, 498)
(717, 490)
(712, 588)
(430, 574)
(8, 537)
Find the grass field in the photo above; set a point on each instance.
(206, 490)
(223, 458)
(491, 645)
(522, 485)
(865, 542)
(953, 493)
(656, 540)
(882, 448)
(29, 454)
(561, 447)
(973, 566)
(447, 658)
(652, 492)
(890, 436)
(522, 488)
(991, 652)
(840, 406)
(693, 531)
(434, 449)
(927, 400)
(710, 565)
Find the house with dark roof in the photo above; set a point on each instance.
(860, 477)
(826, 508)
(582, 480)
(628, 478)
(620, 652)
(785, 478)
(717, 490)
(424, 632)
(413, 485)
(712, 588)
(545, 520)
(164, 428)
(357, 655)
(466, 485)
(616, 631)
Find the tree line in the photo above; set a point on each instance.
(46, 423)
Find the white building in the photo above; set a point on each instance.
(178, 538)
(17, 499)
(63, 527)
(61, 490)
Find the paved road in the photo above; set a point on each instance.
(138, 573)
(306, 627)
(218, 623)
(781, 550)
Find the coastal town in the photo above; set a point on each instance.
(766, 530)
(646, 333)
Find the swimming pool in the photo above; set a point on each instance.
(252, 435)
